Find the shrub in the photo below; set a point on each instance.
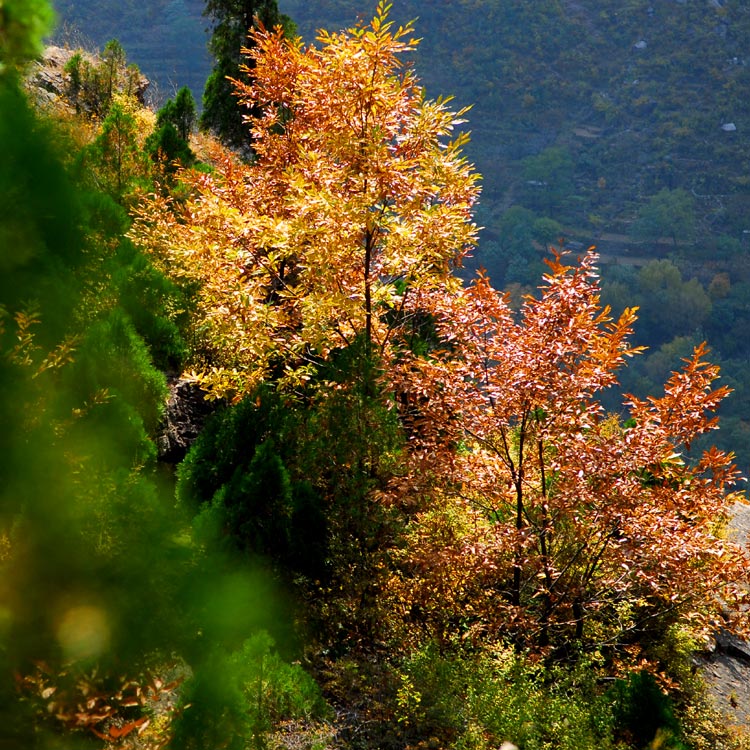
(236, 698)
(480, 700)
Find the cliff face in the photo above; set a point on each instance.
(184, 416)
(726, 664)
(48, 83)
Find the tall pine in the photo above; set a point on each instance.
(232, 19)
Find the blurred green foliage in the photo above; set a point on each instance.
(80, 400)
(40, 235)
(101, 581)
(242, 695)
(23, 24)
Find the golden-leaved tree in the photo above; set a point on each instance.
(560, 523)
(356, 200)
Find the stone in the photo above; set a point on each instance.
(185, 414)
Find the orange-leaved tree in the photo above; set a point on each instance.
(356, 200)
(558, 522)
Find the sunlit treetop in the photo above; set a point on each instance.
(358, 198)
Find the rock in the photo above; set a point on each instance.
(733, 646)
(184, 417)
(725, 664)
(47, 81)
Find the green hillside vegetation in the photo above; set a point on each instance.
(418, 516)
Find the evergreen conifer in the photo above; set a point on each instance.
(222, 113)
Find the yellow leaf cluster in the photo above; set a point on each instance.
(357, 199)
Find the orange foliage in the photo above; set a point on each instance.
(574, 525)
(77, 701)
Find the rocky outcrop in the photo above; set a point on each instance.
(725, 665)
(186, 413)
(49, 84)
(47, 80)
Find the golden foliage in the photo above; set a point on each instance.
(356, 199)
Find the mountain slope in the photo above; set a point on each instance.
(637, 93)
(639, 96)
(166, 38)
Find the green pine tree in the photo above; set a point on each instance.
(232, 20)
(169, 143)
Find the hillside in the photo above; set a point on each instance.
(165, 38)
(635, 97)
(641, 96)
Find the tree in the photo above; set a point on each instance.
(669, 213)
(310, 263)
(113, 60)
(175, 121)
(182, 113)
(548, 231)
(115, 156)
(549, 178)
(671, 306)
(167, 148)
(233, 21)
(355, 204)
(577, 527)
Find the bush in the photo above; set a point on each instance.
(480, 700)
(644, 713)
(236, 698)
(239, 476)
